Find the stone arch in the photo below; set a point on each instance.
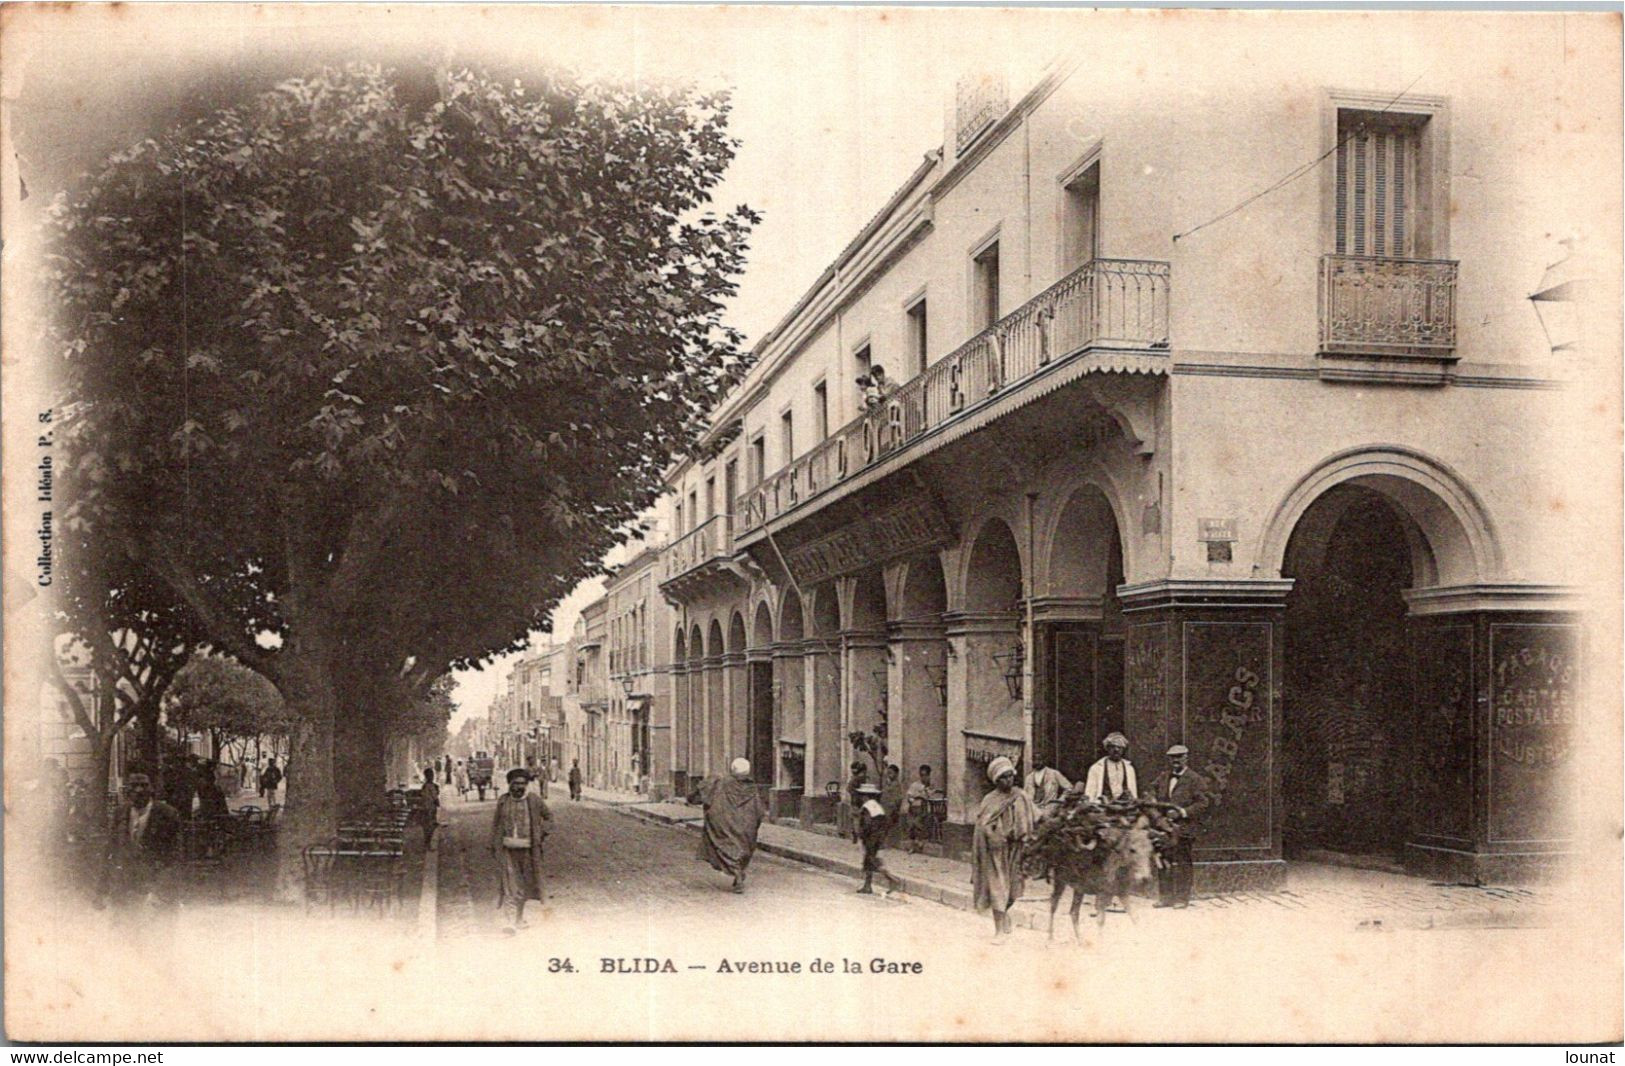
(1079, 544)
(713, 642)
(868, 601)
(762, 627)
(826, 612)
(791, 624)
(1453, 539)
(993, 571)
(1058, 490)
(925, 590)
(679, 647)
(736, 632)
(696, 644)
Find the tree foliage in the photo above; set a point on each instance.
(214, 693)
(383, 366)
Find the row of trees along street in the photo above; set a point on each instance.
(360, 376)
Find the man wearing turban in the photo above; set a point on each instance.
(1111, 778)
(733, 816)
(1005, 816)
(517, 834)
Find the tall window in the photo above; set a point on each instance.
(985, 287)
(1377, 183)
(710, 497)
(758, 458)
(678, 528)
(862, 360)
(787, 435)
(1081, 225)
(693, 509)
(730, 484)
(918, 338)
(821, 411)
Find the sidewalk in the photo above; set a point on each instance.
(1332, 896)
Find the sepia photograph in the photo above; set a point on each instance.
(797, 524)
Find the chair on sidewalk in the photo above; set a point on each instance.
(321, 881)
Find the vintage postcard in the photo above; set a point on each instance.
(869, 524)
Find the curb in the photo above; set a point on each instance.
(1029, 915)
(1024, 915)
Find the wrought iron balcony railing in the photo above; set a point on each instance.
(709, 540)
(1375, 306)
(1106, 303)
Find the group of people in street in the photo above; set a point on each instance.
(1007, 814)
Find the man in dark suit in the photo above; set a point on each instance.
(1186, 796)
(141, 844)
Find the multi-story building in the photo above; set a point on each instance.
(589, 685)
(1222, 415)
(639, 627)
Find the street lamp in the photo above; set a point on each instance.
(627, 685)
(1012, 661)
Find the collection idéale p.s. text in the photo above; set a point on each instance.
(623, 964)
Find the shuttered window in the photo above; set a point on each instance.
(1376, 184)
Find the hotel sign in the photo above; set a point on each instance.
(906, 529)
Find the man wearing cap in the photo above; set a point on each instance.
(1189, 795)
(143, 843)
(1111, 778)
(1005, 816)
(874, 822)
(733, 817)
(517, 834)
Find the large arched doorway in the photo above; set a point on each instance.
(920, 653)
(1079, 636)
(1348, 739)
(988, 639)
(791, 711)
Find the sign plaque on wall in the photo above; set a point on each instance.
(907, 528)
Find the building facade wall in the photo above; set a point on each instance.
(1120, 549)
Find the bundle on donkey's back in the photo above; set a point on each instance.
(1094, 848)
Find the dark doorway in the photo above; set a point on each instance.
(1346, 729)
(761, 741)
(1086, 694)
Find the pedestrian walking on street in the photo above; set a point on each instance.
(462, 780)
(429, 806)
(873, 825)
(270, 778)
(1005, 816)
(733, 817)
(517, 833)
(1186, 795)
(575, 779)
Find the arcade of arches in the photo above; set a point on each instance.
(1375, 699)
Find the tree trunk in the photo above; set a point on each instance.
(309, 814)
(103, 763)
(359, 760)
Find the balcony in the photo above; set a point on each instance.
(1388, 309)
(701, 555)
(1116, 305)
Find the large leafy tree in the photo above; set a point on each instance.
(373, 369)
(220, 696)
